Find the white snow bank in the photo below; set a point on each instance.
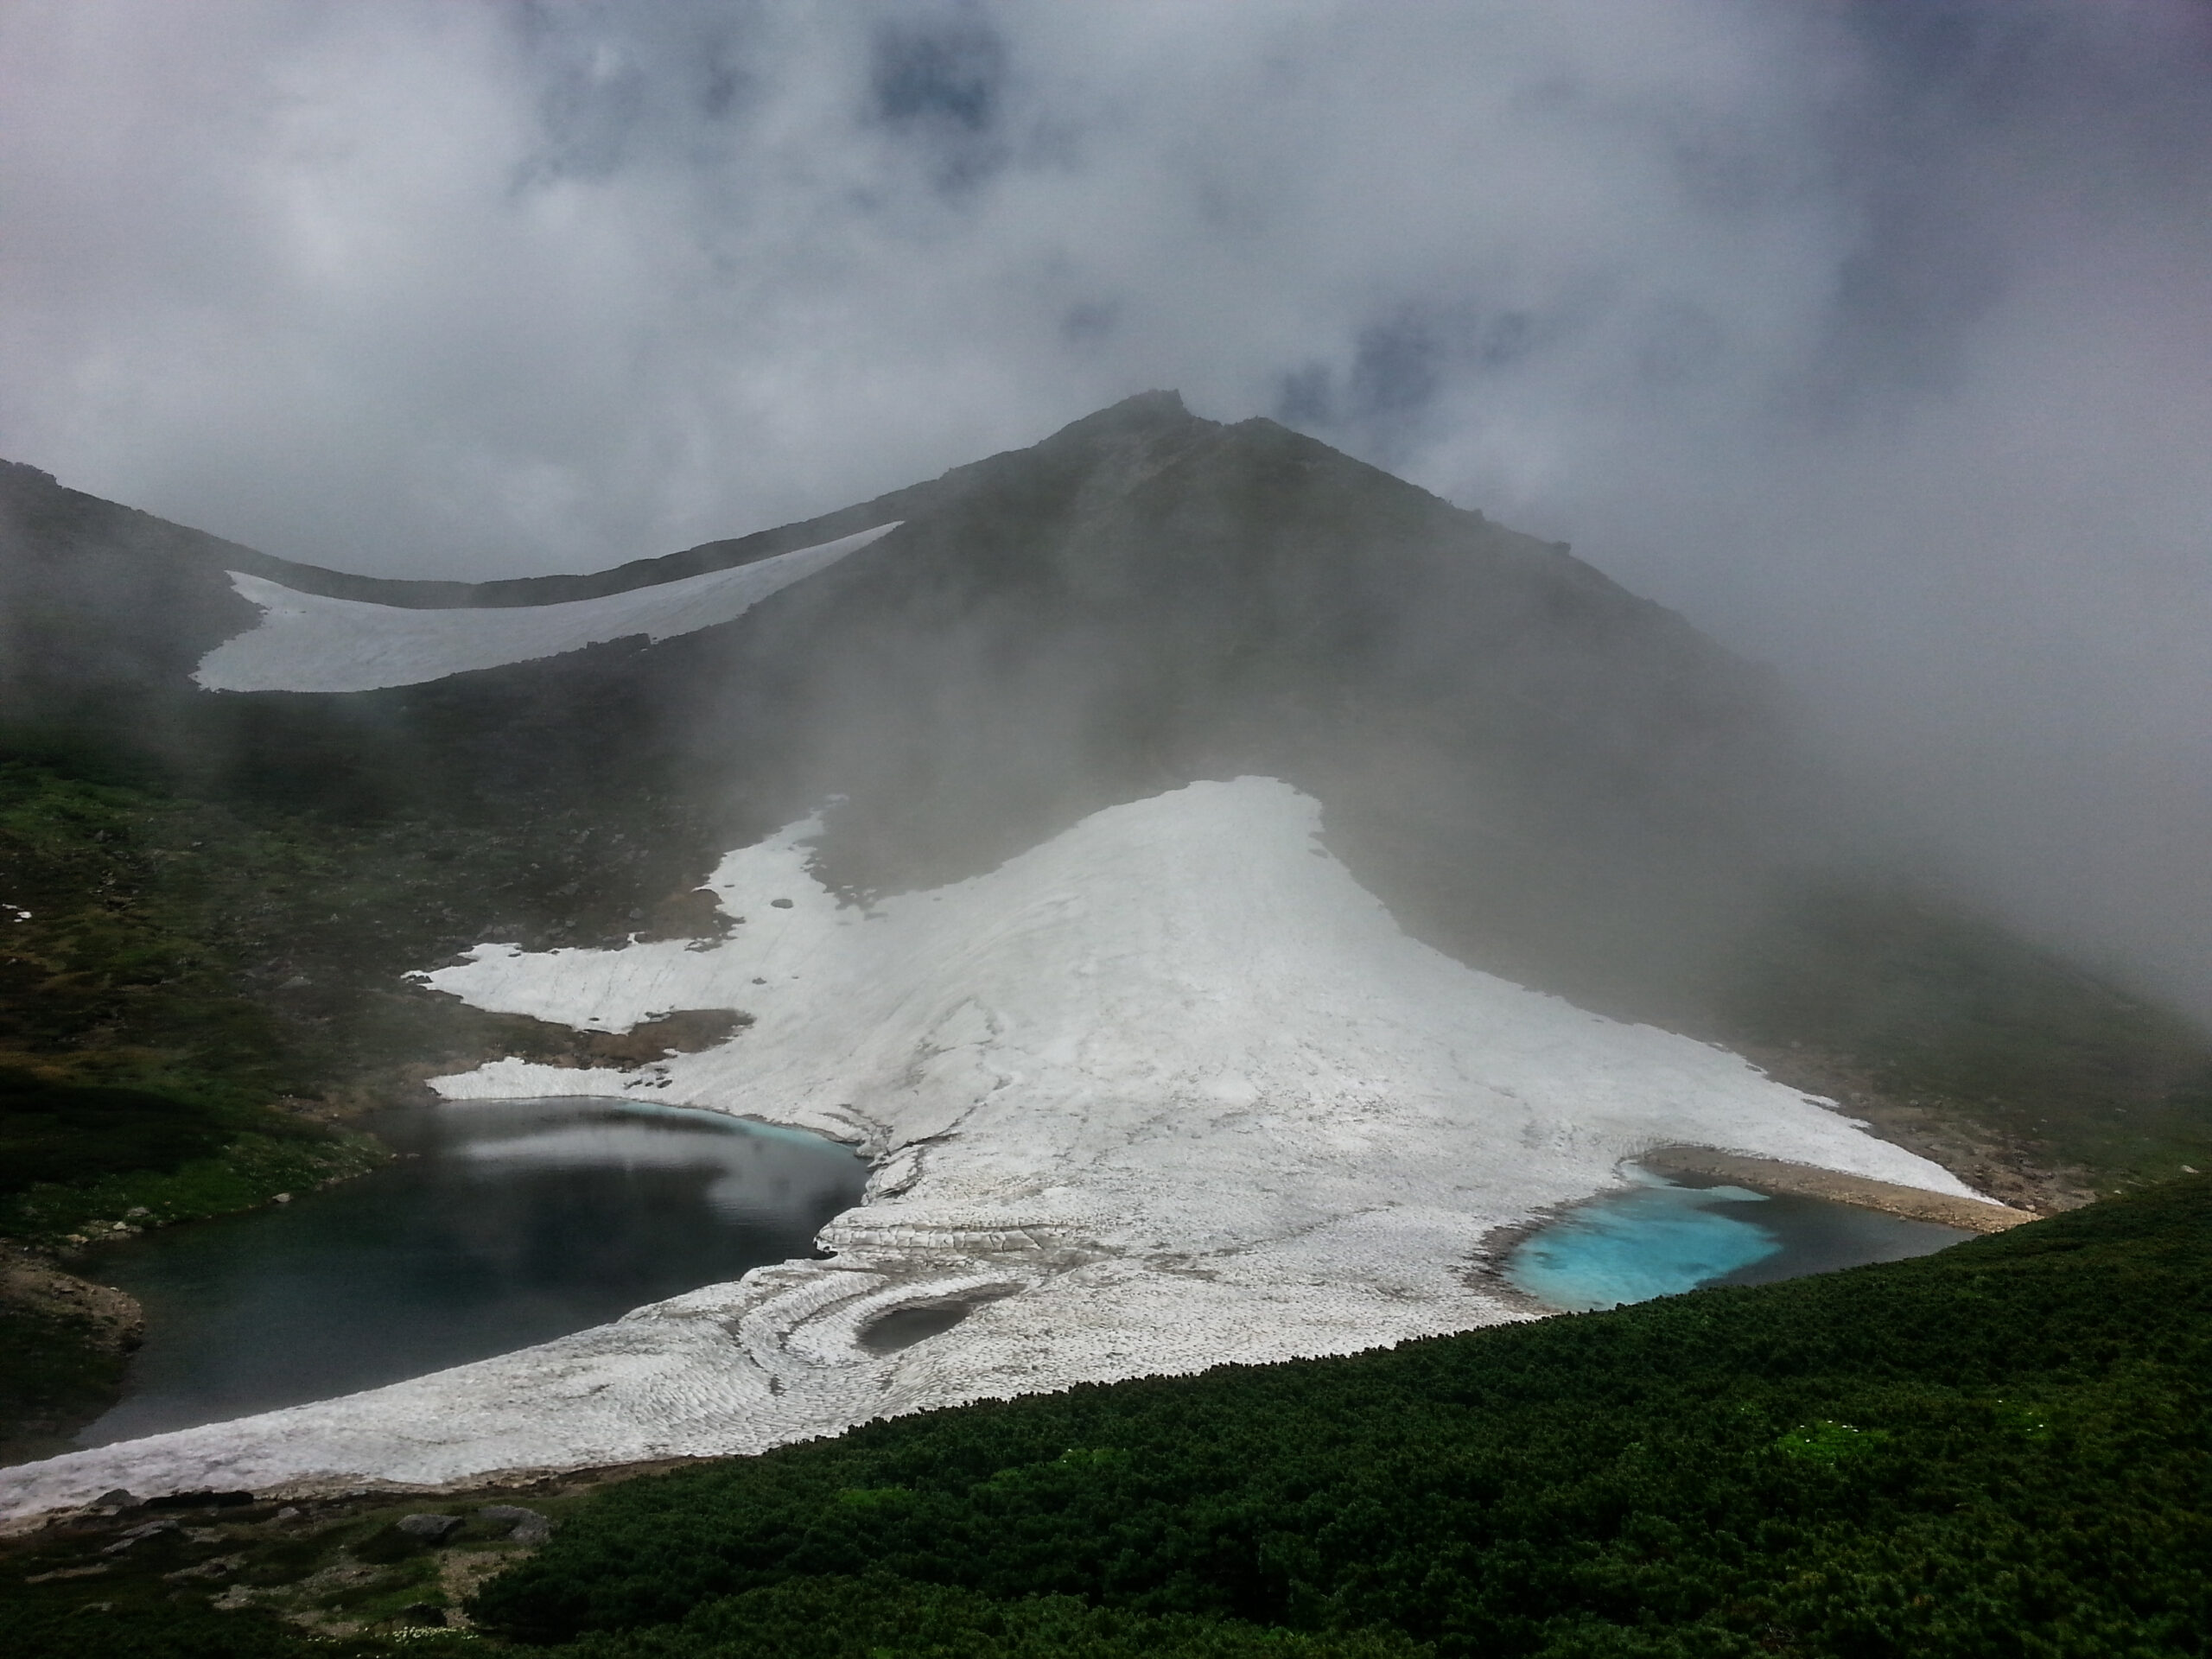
(1168, 1092)
(305, 642)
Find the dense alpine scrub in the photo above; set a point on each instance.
(2006, 1448)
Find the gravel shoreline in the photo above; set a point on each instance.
(1802, 1180)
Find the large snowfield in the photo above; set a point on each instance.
(1169, 1091)
(307, 642)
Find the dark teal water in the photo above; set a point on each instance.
(1660, 1237)
(509, 1223)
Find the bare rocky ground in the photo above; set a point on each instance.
(63, 1341)
(29, 1282)
(357, 1563)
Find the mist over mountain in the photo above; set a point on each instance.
(1866, 334)
(1540, 773)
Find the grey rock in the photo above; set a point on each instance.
(220, 1567)
(430, 1529)
(139, 1535)
(525, 1526)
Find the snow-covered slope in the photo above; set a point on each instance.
(307, 642)
(1169, 1091)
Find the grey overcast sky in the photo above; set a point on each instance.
(1876, 335)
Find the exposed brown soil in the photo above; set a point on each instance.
(112, 1318)
(325, 1562)
(63, 1342)
(692, 913)
(685, 1031)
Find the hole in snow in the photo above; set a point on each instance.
(902, 1327)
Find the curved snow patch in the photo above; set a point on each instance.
(1168, 1092)
(307, 642)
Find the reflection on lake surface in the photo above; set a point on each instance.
(1662, 1237)
(510, 1222)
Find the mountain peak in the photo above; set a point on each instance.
(1144, 410)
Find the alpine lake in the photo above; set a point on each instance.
(1663, 1235)
(501, 1224)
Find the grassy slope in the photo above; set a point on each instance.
(203, 988)
(200, 981)
(1936, 1010)
(135, 1068)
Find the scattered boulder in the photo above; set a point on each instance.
(430, 1529)
(220, 1566)
(139, 1535)
(61, 1573)
(203, 1499)
(523, 1526)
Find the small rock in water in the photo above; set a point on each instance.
(430, 1529)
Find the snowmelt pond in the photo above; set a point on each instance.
(1662, 1235)
(510, 1222)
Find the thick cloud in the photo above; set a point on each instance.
(1872, 335)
